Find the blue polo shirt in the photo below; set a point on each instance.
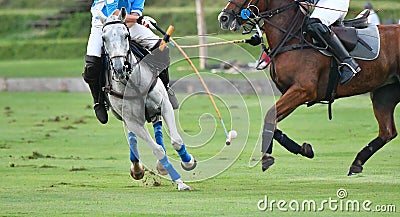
(132, 6)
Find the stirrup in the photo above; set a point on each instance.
(347, 72)
(355, 69)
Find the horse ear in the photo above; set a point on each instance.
(102, 17)
(122, 14)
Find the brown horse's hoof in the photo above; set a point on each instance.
(137, 171)
(267, 161)
(355, 168)
(307, 150)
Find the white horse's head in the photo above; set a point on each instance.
(116, 43)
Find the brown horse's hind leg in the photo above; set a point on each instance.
(384, 101)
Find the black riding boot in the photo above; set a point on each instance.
(164, 76)
(320, 32)
(91, 75)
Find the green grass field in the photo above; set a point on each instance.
(56, 160)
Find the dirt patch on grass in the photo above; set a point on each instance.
(77, 169)
(37, 155)
(4, 146)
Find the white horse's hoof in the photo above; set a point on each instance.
(189, 165)
(160, 169)
(137, 171)
(182, 186)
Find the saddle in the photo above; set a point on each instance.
(360, 22)
(360, 38)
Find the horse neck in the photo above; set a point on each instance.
(142, 76)
(283, 20)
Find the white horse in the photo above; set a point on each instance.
(133, 86)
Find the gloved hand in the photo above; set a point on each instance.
(254, 40)
(147, 21)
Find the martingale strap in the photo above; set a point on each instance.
(288, 35)
(330, 94)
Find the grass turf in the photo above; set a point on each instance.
(56, 160)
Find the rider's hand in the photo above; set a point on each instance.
(147, 21)
(254, 40)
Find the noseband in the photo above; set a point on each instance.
(238, 14)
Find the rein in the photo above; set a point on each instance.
(271, 13)
(289, 33)
(116, 22)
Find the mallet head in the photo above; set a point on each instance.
(231, 135)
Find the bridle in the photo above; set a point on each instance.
(290, 33)
(127, 64)
(239, 15)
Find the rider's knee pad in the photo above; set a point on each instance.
(93, 67)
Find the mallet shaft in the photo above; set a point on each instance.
(167, 37)
(214, 44)
(202, 82)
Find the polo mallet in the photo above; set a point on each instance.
(167, 36)
(216, 43)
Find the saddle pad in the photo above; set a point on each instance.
(371, 36)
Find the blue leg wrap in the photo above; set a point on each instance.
(133, 151)
(171, 170)
(158, 134)
(185, 157)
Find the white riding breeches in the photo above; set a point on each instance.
(139, 33)
(329, 11)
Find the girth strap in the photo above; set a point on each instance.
(108, 89)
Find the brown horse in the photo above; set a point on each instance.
(302, 74)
